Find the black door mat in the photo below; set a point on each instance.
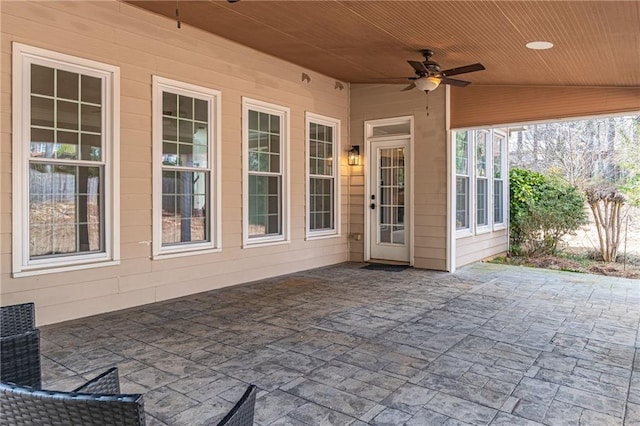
(385, 267)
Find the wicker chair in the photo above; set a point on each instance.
(242, 413)
(96, 403)
(19, 345)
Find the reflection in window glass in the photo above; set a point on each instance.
(462, 153)
(265, 175)
(482, 199)
(264, 205)
(482, 187)
(186, 172)
(462, 179)
(185, 138)
(462, 202)
(321, 177)
(391, 196)
(66, 198)
(65, 210)
(498, 201)
(184, 213)
(498, 178)
(481, 153)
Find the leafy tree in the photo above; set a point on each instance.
(583, 152)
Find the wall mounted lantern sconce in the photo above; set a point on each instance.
(354, 155)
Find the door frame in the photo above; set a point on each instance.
(369, 126)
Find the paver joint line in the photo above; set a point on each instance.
(490, 344)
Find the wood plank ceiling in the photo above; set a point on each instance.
(597, 43)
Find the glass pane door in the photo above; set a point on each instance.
(391, 196)
(389, 200)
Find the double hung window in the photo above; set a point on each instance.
(499, 166)
(266, 186)
(322, 175)
(186, 193)
(65, 145)
(462, 180)
(481, 180)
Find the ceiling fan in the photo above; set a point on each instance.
(429, 75)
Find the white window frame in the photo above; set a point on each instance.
(23, 56)
(468, 230)
(488, 178)
(474, 228)
(334, 124)
(214, 204)
(249, 104)
(504, 177)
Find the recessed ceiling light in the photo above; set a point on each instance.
(539, 45)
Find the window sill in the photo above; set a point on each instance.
(184, 253)
(311, 237)
(485, 229)
(31, 271)
(248, 245)
(464, 233)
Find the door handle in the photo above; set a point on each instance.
(372, 206)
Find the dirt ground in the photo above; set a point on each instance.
(581, 249)
(587, 237)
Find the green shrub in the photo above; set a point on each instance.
(543, 210)
(524, 191)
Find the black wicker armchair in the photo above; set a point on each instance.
(242, 413)
(19, 345)
(96, 403)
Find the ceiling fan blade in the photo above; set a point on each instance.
(463, 70)
(418, 67)
(454, 82)
(409, 87)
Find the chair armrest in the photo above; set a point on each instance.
(20, 356)
(17, 319)
(242, 413)
(27, 406)
(106, 383)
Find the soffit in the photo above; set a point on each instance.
(597, 43)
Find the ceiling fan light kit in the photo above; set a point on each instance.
(429, 75)
(427, 84)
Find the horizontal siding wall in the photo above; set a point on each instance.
(143, 44)
(477, 247)
(371, 102)
(478, 106)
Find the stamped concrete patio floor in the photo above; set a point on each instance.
(341, 345)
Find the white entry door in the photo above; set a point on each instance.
(389, 200)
